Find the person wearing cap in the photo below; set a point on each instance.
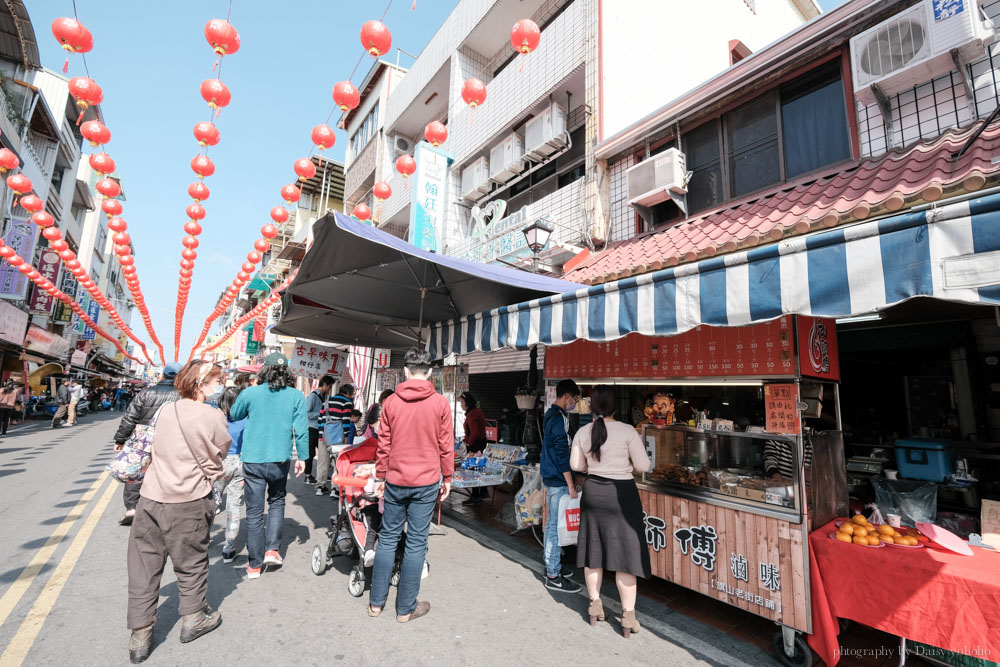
(141, 410)
(278, 421)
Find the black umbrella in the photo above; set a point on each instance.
(361, 286)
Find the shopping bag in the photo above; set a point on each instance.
(569, 520)
(333, 434)
(130, 464)
(529, 500)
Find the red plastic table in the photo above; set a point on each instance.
(926, 595)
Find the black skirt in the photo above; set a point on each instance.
(612, 534)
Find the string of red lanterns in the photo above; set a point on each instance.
(76, 38)
(224, 40)
(273, 298)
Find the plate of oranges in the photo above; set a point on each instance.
(857, 530)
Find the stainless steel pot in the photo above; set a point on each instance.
(699, 449)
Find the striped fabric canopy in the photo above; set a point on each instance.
(950, 252)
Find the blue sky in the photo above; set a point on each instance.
(827, 5)
(151, 57)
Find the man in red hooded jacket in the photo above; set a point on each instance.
(413, 469)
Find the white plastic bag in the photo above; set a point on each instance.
(529, 500)
(569, 520)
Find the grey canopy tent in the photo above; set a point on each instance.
(358, 285)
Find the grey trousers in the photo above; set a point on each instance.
(178, 530)
(130, 494)
(326, 458)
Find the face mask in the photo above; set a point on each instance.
(216, 393)
(571, 406)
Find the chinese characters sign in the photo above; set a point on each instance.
(312, 359)
(818, 347)
(94, 312)
(781, 408)
(41, 301)
(428, 197)
(21, 237)
(945, 9)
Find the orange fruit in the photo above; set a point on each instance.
(844, 537)
(888, 539)
(873, 541)
(863, 541)
(860, 531)
(885, 530)
(896, 533)
(911, 541)
(846, 529)
(859, 520)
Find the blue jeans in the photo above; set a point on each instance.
(257, 477)
(553, 552)
(414, 507)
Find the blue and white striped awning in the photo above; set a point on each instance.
(950, 252)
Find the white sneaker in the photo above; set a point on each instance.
(320, 491)
(426, 571)
(369, 558)
(334, 493)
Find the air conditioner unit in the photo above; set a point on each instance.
(545, 133)
(916, 45)
(505, 158)
(475, 179)
(661, 178)
(401, 145)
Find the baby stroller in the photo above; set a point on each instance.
(351, 525)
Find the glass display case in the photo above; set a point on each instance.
(725, 467)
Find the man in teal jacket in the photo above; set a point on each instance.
(278, 421)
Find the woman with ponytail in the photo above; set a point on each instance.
(612, 534)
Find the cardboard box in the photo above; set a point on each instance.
(989, 524)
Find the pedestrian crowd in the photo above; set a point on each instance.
(214, 447)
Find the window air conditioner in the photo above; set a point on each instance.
(401, 145)
(661, 178)
(475, 178)
(915, 46)
(545, 133)
(505, 158)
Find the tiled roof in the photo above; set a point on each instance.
(920, 173)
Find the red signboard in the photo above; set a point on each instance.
(781, 408)
(765, 349)
(41, 301)
(818, 347)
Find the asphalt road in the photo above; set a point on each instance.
(63, 587)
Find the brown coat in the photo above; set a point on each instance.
(173, 475)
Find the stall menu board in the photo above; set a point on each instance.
(766, 349)
(781, 408)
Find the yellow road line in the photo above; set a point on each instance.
(19, 646)
(24, 580)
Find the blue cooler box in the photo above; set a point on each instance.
(925, 459)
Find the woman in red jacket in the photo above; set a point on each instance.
(475, 438)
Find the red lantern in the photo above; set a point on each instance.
(32, 203)
(34, 275)
(222, 37)
(323, 137)
(206, 133)
(72, 35)
(474, 92)
(66, 255)
(269, 231)
(122, 250)
(195, 211)
(253, 256)
(346, 95)
(435, 133)
(187, 264)
(59, 245)
(198, 191)
(382, 190)
(279, 214)
(102, 163)
(43, 219)
(524, 36)
(243, 276)
(215, 93)
(188, 253)
(304, 167)
(127, 260)
(19, 183)
(406, 165)
(248, 267)
(25, 268)
(51, 234)
(117, 224)
(95, 132)
(187, 273)
(190, 242)
(8, 160)
(361, 211)
(14, 259)
(122, 238)
(192, 228)
(86, 92)
(290, 193)
(375, 38)
(112, 207)
(108, 187)
(203, 166)
(261, 245)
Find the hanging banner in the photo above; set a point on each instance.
(428, 197)
(68, 285)
(21, 238)
(382, 357)
(312, 359)
(78, 326)
(13, 322)
(41, 301)
(46, 342)
(94, 312)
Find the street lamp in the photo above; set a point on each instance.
(537, 236)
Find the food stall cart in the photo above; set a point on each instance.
(728, 512)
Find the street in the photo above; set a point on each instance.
(63, 585)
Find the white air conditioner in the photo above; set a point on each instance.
(660, 178)
(475, 179)
(545, 133)
(401, 145)
(505, 158)
(915, 46)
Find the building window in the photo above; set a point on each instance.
(365, 131)
(781, 135)
(549, 176)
